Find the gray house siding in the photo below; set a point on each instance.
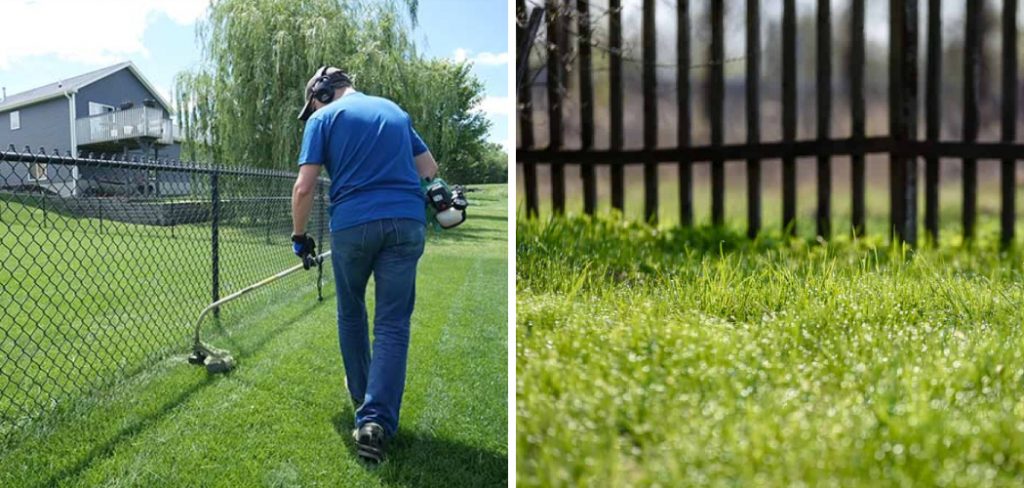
(121, 181)
(113, 90)
(45, 124)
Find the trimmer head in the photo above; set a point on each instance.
(215, 360)
(220, 361)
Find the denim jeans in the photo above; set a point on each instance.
(389, 249)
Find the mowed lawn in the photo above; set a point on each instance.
(669, 357)
(87, 300)
(282, 417)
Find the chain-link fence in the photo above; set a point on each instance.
(104, 264)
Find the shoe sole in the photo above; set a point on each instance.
(367, 449)
(370, 453)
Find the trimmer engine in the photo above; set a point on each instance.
(448, 203)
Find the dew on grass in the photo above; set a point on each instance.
(800, 362)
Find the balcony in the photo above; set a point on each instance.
(147, 124)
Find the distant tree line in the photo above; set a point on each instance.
(239, 105)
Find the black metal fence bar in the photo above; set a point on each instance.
(933, 117)
(824, 92)
(555, 85)
(903, 116)
(90, 160)
(1007, 169)
(901, 144)
(753, 116)
(789, 113)
(105, 264)
(618, 178)
(215, 241)
(650, 59)
(683, 102)
(972, 56)
(779, 149)
(586, 104)
(526, 115)
(857, 118)
(894, 117)
(716, 106)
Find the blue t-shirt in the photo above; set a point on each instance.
(367, 144)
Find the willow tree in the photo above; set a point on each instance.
(239, 105)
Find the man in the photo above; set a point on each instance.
(375, 160)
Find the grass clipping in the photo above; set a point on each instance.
(695, 357)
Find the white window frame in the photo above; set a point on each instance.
(99, 108)
(15, 120)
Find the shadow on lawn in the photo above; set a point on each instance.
(416, 459)
(104, 450)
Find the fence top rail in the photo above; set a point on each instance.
(774, 150)
(105, 161)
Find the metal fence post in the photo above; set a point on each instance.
(215, 239)
(903, 118)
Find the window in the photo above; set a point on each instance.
(37, 171)
(16, 120)
(99, 108)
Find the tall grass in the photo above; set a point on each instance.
(678, 357)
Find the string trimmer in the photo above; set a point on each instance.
(220, 360)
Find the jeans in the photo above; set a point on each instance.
(390, 250)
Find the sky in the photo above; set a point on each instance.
(159, 37)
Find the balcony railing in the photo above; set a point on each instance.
(126, 125)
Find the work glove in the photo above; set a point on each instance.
(303, 245)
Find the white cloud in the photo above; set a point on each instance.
(483, 59)
(460, 55)
(86, 32)
(491, 59)
(492, 105)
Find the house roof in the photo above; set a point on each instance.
(73, 84)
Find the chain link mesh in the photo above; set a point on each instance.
(105, 263)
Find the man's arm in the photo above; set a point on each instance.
(425, 165)
(302, 196)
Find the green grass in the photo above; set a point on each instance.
(86, 301)
(674, 357)
(282, 418)
(876, 201)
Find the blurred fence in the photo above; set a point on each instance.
(105, 264)
(569, 28)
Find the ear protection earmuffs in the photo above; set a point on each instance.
(323, 87)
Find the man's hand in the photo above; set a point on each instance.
(303, 245)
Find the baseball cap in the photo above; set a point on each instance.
(307, 109)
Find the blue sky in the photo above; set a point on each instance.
(159, 37)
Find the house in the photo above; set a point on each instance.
(113, 110)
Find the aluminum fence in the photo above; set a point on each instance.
(104, 264)
(569, 42)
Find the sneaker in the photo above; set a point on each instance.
(370, 442)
